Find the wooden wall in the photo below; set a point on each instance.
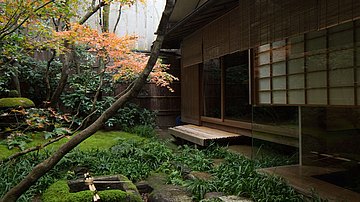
(190, 94)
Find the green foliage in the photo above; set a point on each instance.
(82, 88)
(194, 159)
(13, 93)
(144, 131)
(60, 188)
(16, 139)
(199, 188)
(12, 172)
(237, 175)
(4, 86)
(137, 158)
(131, 116)
(31, 74)
(38, 118)
(16, 102)
(57, 132)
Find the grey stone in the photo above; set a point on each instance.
(164, 192)
(198, 175)
(170, 193)
(234, 199)
(213, 195)
(218, 162)
(144, 187)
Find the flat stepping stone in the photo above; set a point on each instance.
(199, 175)
(233, 198)
(164, 192)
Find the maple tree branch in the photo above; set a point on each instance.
(10, 22)
(91, 12)
(3, 35)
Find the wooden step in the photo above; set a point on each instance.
(201, 135)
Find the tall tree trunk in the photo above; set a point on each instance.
(106, 18)
(42, 168)
(67, 60)
(15, 80)
(47, 76)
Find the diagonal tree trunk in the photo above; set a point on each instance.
(38, 171)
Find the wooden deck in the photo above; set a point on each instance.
(301, 178)
(201, 135)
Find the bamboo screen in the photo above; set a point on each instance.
(316, 68)
(192, 50)
(272, 20)
(216, 38)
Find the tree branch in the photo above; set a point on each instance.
(42, 168)
(46, 77)
(22, 22)
(16, 155)
(91, 12)
(118, 19)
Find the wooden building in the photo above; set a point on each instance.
(286, 72)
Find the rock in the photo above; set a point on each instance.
(164, 192)
(198, 175)
(218, 162)
(234, 199)
(114, 182)
(144, 187)
(213, 195)
(170, 193)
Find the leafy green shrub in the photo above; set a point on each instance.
(82, 88)
(16, 139)
(13, 93)
(16, 102)
(144, 131)
(132, 115)
(4, 80)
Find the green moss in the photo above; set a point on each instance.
(105, 140)
(128, 185)
(100, 140)
(16, 102)
(59, 192)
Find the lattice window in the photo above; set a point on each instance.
(316, 68)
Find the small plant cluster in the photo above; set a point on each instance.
(33, 120)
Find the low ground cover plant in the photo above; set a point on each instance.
(137, 158)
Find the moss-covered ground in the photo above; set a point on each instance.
(100, 140)
(15, 102)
